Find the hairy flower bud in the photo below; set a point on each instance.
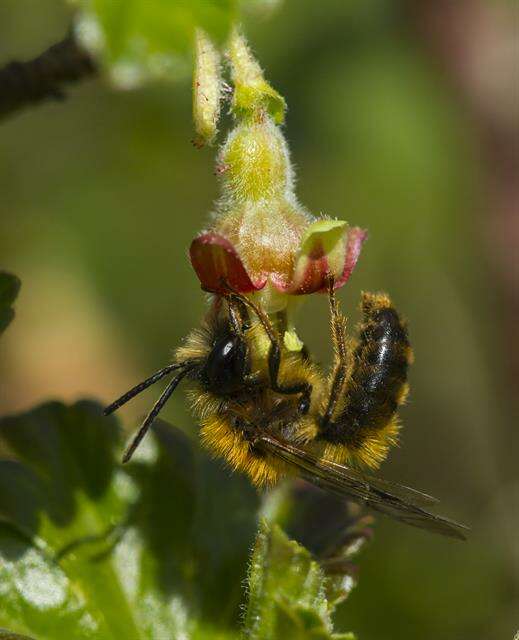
(206, 89)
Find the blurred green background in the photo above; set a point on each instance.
(395, 125)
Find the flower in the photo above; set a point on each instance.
(326, 248)
(262, 238)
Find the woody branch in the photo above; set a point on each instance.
(43, 78)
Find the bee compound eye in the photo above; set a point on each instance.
(304, 404)
(226, 365)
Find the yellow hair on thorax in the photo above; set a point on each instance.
(221, 439)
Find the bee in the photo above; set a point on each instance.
(271, 412)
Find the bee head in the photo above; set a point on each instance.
(226, 365)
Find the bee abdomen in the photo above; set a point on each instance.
(378, 380)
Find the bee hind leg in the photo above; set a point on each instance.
(364, 417)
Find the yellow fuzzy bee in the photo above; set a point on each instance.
(271, 412)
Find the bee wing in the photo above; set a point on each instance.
(394, 500)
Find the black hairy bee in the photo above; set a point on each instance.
(271, 412)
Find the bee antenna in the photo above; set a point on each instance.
(142, 386)
(157, 407)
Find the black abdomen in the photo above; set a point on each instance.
(378, 378)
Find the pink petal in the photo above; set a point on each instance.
(217, 263)
(314, 266)
(313, 278)
(356, 238)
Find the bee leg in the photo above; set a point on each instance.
(235, 317)
(338, 326)
(305, 389)
(274, 357)
(365, 419)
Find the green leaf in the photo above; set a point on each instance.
(287, 592)
(9, 287)
(143, 40)
(336, 542)
(90, 549)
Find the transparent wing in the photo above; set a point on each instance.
(394, 500)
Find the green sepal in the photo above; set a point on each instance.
(252, 93)
(287, 591)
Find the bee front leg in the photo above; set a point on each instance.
(235, 317)
(274, 358)
(338, 330)
(274, 363)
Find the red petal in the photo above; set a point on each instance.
(356, 238)
(318, 269)
(216, 263)
(313, 278)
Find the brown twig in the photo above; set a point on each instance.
(42, 78)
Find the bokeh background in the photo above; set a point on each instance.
(402, 119)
